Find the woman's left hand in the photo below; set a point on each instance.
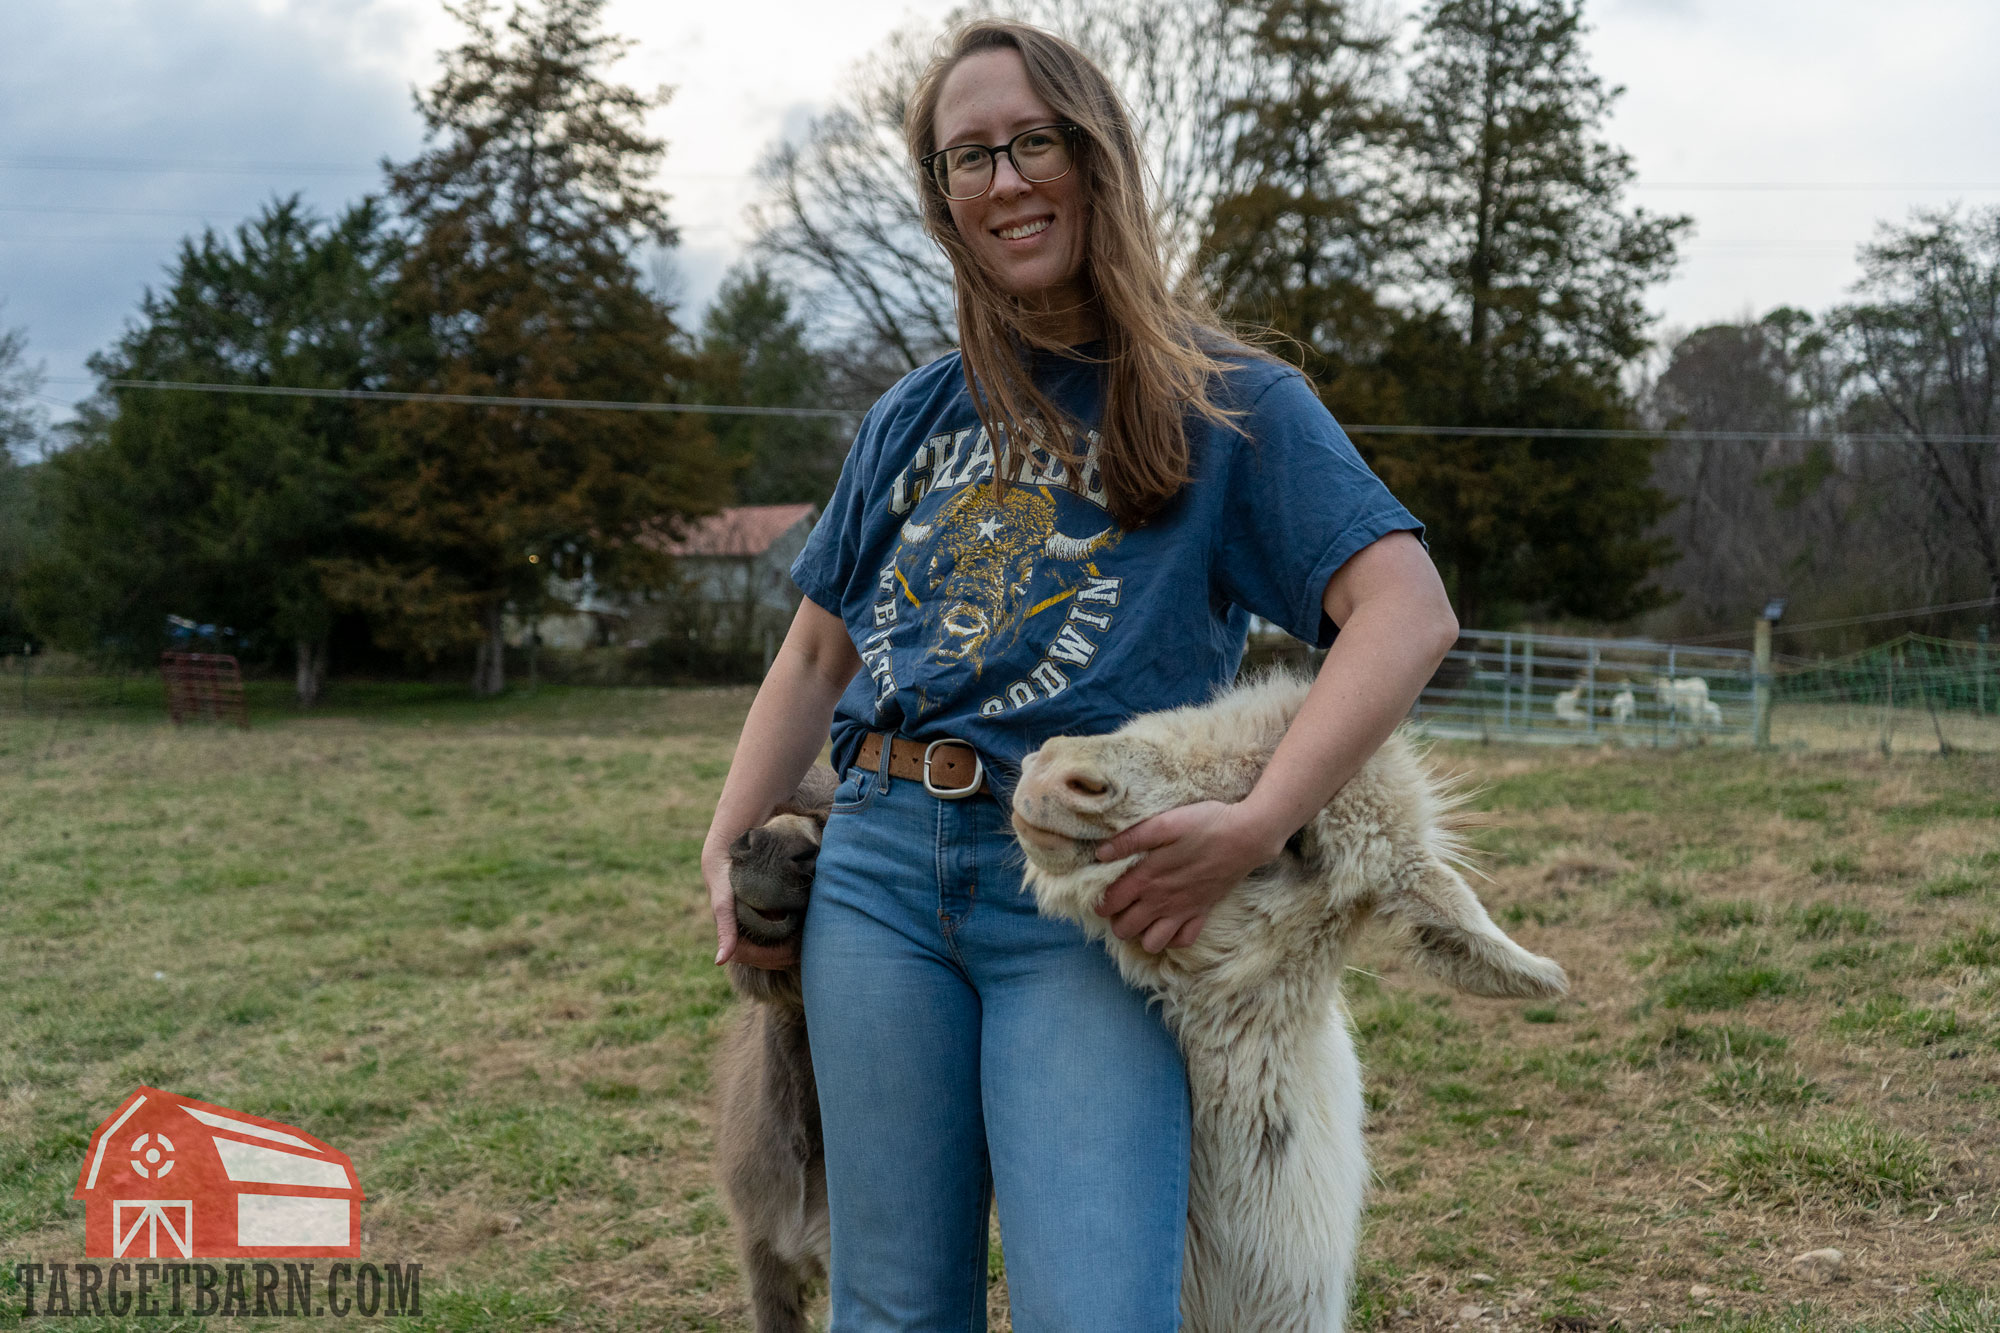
(1194, 855)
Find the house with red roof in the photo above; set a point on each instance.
(734, 591)
(168, 1177)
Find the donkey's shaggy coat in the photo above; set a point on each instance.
(770, 1165)
(1279, 1171)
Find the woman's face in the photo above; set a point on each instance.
(986, 99)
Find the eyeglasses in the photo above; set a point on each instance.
(965, 171)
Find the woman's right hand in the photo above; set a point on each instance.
(781, 737)
(722, 901)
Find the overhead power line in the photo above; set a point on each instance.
(155, 166)
(1825, 186)
(1908, 613)
(50, 162)
(197, 168)
(488, 400)
(1692, 436)
(109, 212)
(838, 413)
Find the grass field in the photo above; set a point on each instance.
(466, 943)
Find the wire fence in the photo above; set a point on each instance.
(1912, 693)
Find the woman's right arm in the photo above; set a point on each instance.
(781, 737)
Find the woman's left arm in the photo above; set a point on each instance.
(1396, 625)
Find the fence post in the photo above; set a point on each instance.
(1673, 713)
(1980, 675)
(1889, 705)
(1506, 683)
(1528, 685)
(1760, 687)
(1590, 706)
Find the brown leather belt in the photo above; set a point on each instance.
(948, 769)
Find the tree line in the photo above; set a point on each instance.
(503, 260)
(1429, 220)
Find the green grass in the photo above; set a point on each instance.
(1821, 921)
(1891, 1017)
(1979, 947)
(1650, 889)
(1721, 978)
(1713, 1043)
(1958, 883)
(1835, 865)
(1847, 1161)
(1705, 918)
(1754, 1083)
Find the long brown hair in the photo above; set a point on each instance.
(1160, 347)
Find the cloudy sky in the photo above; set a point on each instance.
(1787, 128)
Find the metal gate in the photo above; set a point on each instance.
(1549, 689)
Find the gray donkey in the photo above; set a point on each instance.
(769, 1161)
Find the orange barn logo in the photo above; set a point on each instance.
(168, 1177)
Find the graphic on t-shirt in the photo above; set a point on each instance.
(978, 567)
(978, 558)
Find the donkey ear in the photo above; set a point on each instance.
(1453, 939)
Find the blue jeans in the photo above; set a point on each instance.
(959, 1038)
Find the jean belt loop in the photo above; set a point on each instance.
(888, 744)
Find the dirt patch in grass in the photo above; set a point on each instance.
(468, 944)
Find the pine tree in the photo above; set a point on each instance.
(753, 351)
(213, 506)
(525, 214)
(1530, 277)
(1293, 244)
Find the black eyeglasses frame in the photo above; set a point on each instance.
(1074, 133)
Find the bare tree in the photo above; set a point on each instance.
(1729, 377)
(1841, 524)
(1185, 68)
(22, 421)
(1924, 343)
(840, 219)
(840, 216)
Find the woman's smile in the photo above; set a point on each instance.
(1026, 231)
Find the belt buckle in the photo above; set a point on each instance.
(953, 793)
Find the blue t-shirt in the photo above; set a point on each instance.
(1005, 621)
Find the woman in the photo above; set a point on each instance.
(1154, 484)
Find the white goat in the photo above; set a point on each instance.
(1569, 706)
(1687, 697)
(1623, 706)
(1279, 1169)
